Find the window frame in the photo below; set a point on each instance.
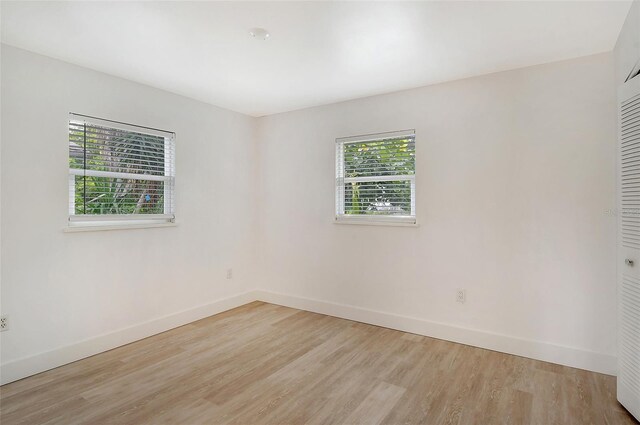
(340, 180)
(121, 221)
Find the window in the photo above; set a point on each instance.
(119, 173)
(375, 178)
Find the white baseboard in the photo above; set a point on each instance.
(27, 366)
(568, 356)
(538, 350)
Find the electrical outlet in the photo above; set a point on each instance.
(229, 273)
(4, 323)
(461, 295)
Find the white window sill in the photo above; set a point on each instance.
(104, 227)
(377, 223)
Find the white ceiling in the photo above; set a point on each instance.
(318, 52)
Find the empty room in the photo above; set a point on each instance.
(320, 212)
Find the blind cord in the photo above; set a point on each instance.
(84, 178)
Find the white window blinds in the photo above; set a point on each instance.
(375, 178)
(119, 172)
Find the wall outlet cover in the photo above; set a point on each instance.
(4, 323)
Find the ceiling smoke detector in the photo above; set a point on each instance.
(259, 33)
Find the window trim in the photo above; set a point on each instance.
(136, 224)
(340, 180)
(82, 222)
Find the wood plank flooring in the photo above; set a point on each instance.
(267, 364)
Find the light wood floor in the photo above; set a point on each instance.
(266, 364)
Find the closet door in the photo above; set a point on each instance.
(629, 247)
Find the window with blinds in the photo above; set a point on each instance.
(375, 178)
(119, 172)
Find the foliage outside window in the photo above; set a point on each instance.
(119, 172)
(375, 178)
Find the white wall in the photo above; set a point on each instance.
(515, 173)
(62, 288)
(627, 49)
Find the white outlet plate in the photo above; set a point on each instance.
(229, 273)
(4, 323)
(461, 295)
